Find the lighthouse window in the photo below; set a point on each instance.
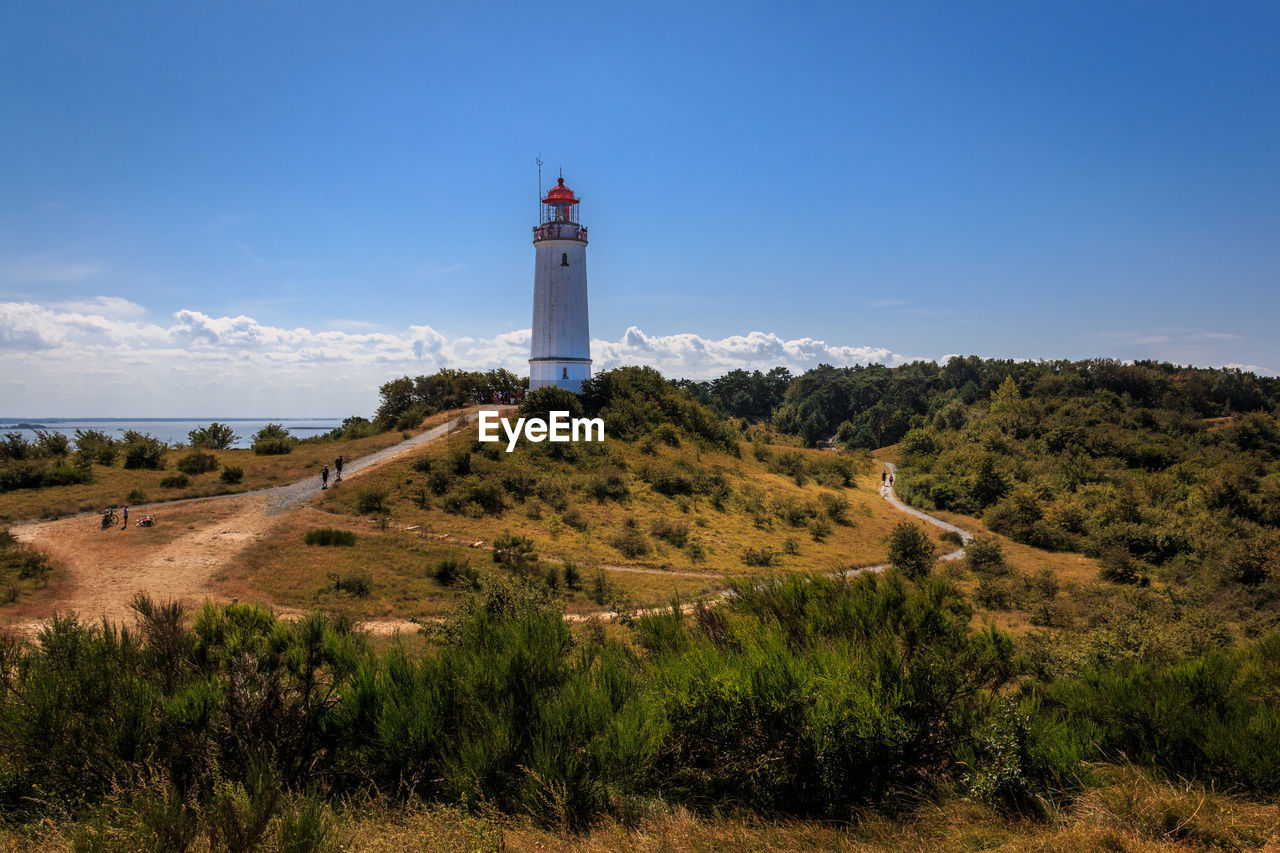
(564, 259)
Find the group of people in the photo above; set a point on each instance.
(499, 398)
(886, 479)
(324, 473)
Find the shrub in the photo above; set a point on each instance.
(631, 543)
(359, 583)
(758, 557)
(819, 529)
(835, 506)
(197, 463)
(143, 451)
(572, 574)
(273, 440)
(676, 533)
(21, 474)
(175, 481)
(371, 500)
(514, 552)
(610, 484)
(697, 553)
(95, 446)
(232, 474)
(328, 536)
(667, 480)
(911, 551)
(215, 436)
(601, 589)
(1115, 564)
(136, 496)
(447, 571)
(475, 496)
(984, 556)
(67, 475)
(574, 518)
(50, 443)
(667, 434)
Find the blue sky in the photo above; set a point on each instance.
(270, 208)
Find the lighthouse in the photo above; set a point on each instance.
(560, 353)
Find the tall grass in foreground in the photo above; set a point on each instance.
(800, 696)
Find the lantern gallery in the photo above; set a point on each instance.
(560, 428)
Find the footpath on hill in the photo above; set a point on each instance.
(195, 539)
(192, 540)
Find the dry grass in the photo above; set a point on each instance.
(283, 570)
(1127, 810)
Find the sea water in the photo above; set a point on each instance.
(168, 430)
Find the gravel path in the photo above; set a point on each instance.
(886, 492)
(282, 498)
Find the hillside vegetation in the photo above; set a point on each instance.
(673, 500)
(1138, 708)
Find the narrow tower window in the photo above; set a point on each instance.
(564, 259)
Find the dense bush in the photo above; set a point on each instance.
(911, 551)
(142, 451)
(796, 696)
(273, 440)
(175, 481)
(329, 536)
(371, 500)
(232, 474)
(95, 446)
(197, 463)
(631, 542)
(66, 475)
(635, 401)
(1214, 716)
(357, 583)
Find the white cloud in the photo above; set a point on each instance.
(102, 357)
(694, 357)
(1251, 368)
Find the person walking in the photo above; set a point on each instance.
(883, 476)
(324, 477)
(125, 525)
(337, 464)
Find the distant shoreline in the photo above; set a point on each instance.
(18, 422)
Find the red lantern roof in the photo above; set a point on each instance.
(560, 194)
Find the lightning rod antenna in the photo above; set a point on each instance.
(539, 159)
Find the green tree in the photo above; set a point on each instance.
(273, 440)
(143, 451)
(94, 446)
(514, 552)
(911, 551)
(215, 436)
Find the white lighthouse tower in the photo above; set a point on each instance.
(561, 350)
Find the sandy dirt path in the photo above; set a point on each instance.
(193, 539)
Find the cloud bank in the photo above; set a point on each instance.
(104, 358)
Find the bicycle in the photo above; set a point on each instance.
(109, 519)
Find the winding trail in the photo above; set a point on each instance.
(178, 560)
